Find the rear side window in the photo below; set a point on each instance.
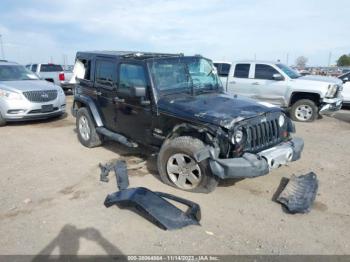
(105, 72)
(50, 68)
(131, 75)
(242, 70)
(265, 72)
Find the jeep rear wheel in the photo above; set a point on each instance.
(178, 167)
(304, 110)
(86, 130)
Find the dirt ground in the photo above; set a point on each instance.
(52, 199)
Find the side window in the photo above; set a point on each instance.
(131, 75)
(264, 72)
(105, 72)
(87, 67)
(225, 69)
(34, 67)
(242, 70)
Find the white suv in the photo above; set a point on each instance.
(278, 84)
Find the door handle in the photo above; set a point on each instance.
(256, 83)
(118, 100)
(232, 82)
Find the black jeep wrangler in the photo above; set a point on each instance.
(177, 103)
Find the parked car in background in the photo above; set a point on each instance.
(23, 96)
(303, 96)
(346, 88)
(53, 73)
(177, 104)
(222, 68)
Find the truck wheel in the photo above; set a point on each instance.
(86, 130)
(304, 110)
(178, 168)
(2, 121)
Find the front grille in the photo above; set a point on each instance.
(41, 96)
(262, 133)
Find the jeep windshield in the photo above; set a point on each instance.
(184, 75)
(15, 73)
(289, 71)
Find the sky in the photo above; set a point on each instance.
(53, 31)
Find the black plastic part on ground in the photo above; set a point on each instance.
(121, 174)
(154, 207)
(105, 169)
(299, 193)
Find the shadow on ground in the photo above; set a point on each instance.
(68, 243)
(150, 157)
(343, 115)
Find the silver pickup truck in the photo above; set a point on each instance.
(304, 96)
(53, 73)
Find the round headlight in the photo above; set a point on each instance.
(281, 120)
(237, 137)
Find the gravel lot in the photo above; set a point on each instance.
(52, 200)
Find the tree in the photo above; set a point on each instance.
(301, 61)
(344, 60)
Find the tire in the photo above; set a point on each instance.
(304, 110)
(177, 167)
(2, 121)
(86, 129)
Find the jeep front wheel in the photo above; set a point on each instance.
(304, 110)
(178, 167)
(86, 130)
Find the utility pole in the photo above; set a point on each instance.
(329, 59)
(2, 48)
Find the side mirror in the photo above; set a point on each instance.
(345, 79)
(138, 91)
(277, 77)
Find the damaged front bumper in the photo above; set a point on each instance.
(330, 105)
(253, 165)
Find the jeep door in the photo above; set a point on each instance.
(240, 81)
(134, 114)
(266, 87)
(105, 88)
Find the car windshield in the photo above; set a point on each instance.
(16, 72)
(288, 71)
(184, 74)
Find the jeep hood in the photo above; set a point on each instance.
(219, 109)
(27, 85)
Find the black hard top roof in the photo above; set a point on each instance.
(125, 54)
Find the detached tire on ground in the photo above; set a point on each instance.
(86, 129)
(304, 110)
(178, 168)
